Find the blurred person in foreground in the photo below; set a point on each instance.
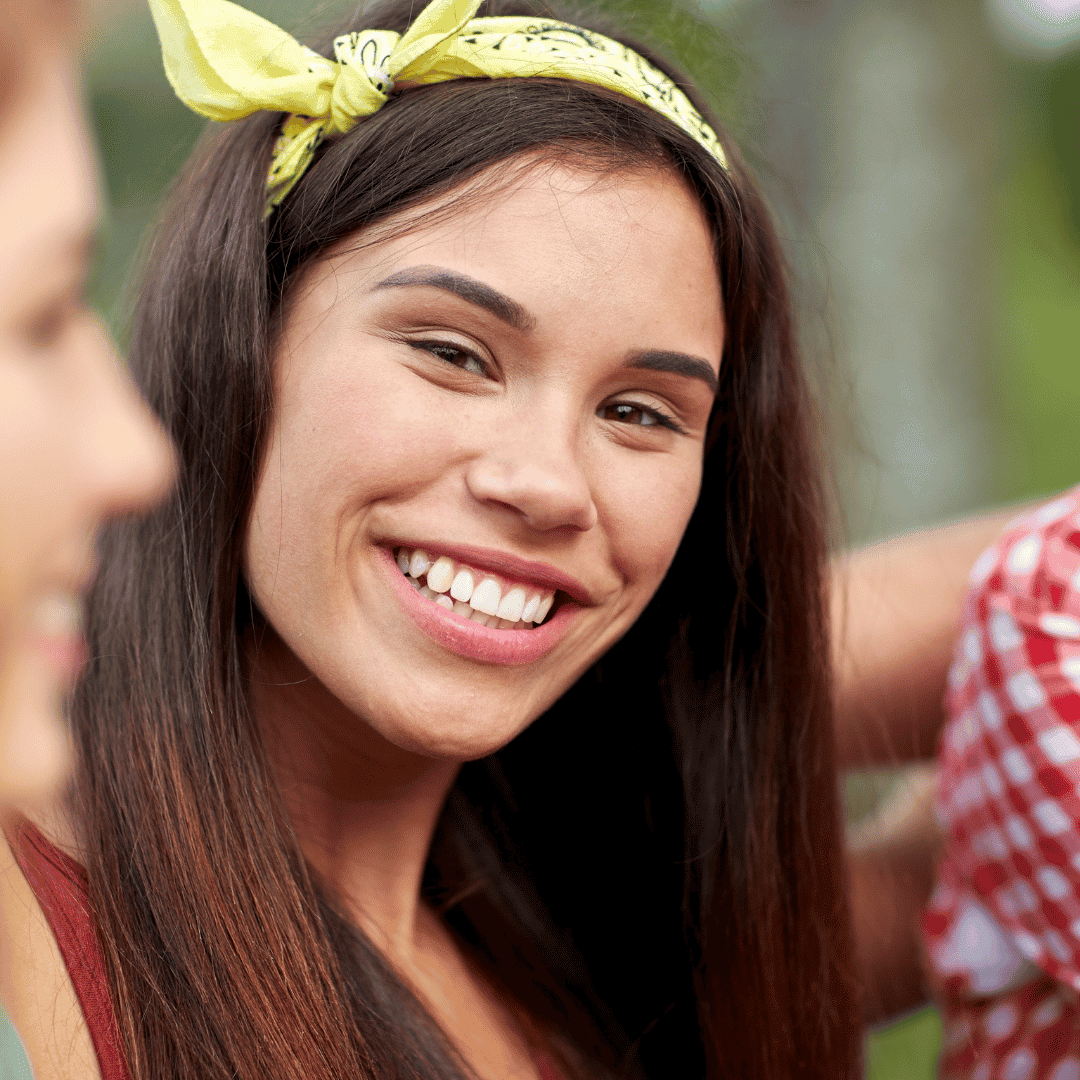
(76, 443)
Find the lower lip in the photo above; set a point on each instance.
(468, 638)
(65, 655)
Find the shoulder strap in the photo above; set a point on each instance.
(60, 885)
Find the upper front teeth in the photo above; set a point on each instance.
(57, 614)
(512, 604)
(462, 587)
(489, 601)
(486, 596)
(441, 575)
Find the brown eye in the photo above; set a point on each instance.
(635, 415)
(630, 414)
(453, 354)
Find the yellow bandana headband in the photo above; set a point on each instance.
(226, 63)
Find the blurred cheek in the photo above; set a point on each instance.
(649, 515)
(34, 476)
(339, 444)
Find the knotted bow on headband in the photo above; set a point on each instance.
(226, 63)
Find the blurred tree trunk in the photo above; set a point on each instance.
(881, 124)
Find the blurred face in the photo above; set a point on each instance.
(487, 444)
(75, 442)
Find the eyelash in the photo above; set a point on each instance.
(659, 418)
(440, 349)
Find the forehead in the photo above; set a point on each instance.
(534, 187)
(566, 242)
(48, 183)
(24, 26)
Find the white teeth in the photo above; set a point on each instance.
(486, 596)
(462, 588)
(483, 602)
(530, 608)
(57, 614)
(543, 609)
(509, 609)
(441, 575)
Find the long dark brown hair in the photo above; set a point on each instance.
(652, 873)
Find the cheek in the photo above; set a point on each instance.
(339, 447)
(647, 514)
(34, 477)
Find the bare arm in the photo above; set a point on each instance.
(895, 611)
(891, 863)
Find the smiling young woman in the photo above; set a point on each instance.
(507, 410)
(466, 712)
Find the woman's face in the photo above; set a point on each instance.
(510, 404)
(75, 442)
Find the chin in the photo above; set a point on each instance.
(34, 750)
(448, 737)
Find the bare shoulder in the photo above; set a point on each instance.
(40, 997)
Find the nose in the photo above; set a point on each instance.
(125, 460)
(538, 477)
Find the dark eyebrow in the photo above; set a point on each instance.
(693, 367)
(475, 292)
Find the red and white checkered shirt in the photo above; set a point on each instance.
(1002, 929)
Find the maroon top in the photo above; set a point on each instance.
(59, 883)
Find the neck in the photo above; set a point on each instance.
(363, 809)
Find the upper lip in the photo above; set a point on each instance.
(510, 566)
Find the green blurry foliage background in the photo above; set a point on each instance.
(970, 393)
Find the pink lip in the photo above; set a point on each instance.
(468, 638)
(511, 566)
(66, 655)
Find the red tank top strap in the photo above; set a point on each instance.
(59, 883)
